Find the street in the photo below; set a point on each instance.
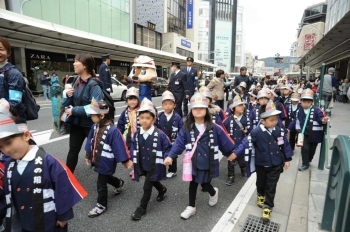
(161, 216)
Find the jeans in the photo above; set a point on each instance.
(147, 190)
(102, 189)
(76, 140)
(327, 97)
(46, 91)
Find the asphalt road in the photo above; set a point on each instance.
(161, 216)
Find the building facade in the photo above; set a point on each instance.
(336, 10)
(203, 31)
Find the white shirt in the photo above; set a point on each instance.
(146, 133)
(188, 69)
(168, 116)
(22, 164)
(199, 126)
(294, 107)
(238, 118)
(177, 72)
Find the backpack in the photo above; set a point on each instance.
(107, 98)
(28, 100)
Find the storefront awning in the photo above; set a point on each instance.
(37, 34)
(334, 46)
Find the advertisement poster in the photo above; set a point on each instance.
(223, 42)
(309, 41)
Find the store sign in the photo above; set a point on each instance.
(310, 40)
(223, 44)
(189, 14)
(39, 56)
(268, 70)
(185, 43)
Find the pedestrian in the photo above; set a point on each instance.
(200, 136)
(252, 103)
(150, 147)
(45, 81)
(308, 123)
(279, 106)
(286, 91)
(178, 86)
(345, 87)
(217, 86)
(12, 83)
(291, 111)
(227, 86)
(242, 78)
(45, 204)
(329, 82)
(77, 98)
(215, 111)
(65, 80)
(104, 73)
(237, 126)
(192, 81)
(170, 123)
(105, 147)
(254, 115)
(271, 156)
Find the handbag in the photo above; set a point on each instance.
(300, 140)
(187, 160)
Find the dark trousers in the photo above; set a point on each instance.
(178, 102)
(147, 190)
(308, 150)
(186, 101)
(345, 98)
(293, 137)
(173, 167)
(207, 187)
(76, 140)
(231, 165)
(102, 189)
(266, 183)
(227, 93)
(220, 103)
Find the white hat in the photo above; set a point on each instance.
(237, 100)
(198, 100)
(295, 97)
(307, 94)
(243, 84)
(4, 106)
(147, 105)
(272, 91)
(252, 87)
(95, 108)
(300, 90)
(144, 61)
(287, 87)
(262, 93)
(258, 84)
(205, 91)
(252, 94)
(167, 95)
(8, 126)
(270, 110)
(132, 92)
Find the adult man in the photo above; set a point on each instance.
(192, 81)
(45, 83)
(105, 74)
(242, 78)
(178, 86)
(329, 81)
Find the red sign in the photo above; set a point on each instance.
(310, 40)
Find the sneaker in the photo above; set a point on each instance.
(230, 180)
(214, 199)
(97, 211)
(303, 167)
(138, 214)
(260, 200)
(117, 191)
(266, 214)
(171, 174)
(161, 195)
(189, 211)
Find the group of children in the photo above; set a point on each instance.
(252, 133)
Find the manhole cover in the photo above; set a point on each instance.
(255, 224)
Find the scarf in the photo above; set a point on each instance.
(310, 122)
(100, 135)
(132, 124)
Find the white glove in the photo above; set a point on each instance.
(109, 89)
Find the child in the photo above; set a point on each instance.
(214, 110)
(254, 115)
(286, 91)
(311, 118)
(252, 103)
(40, 190)
(272, 154)
(150, 147)
(105, 147)
(291, 110)
(243, 95)
(279, 106)
(237, 126)
(205, 160)
(170, 123)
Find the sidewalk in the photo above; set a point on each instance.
(300, 196)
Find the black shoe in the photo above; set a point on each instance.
(161, 195)
(303, 167)
(138, 214)
(118, 190)
(243, 172)
(230, 180)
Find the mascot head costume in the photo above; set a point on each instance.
(143, 69)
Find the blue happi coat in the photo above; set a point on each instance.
(221, 142)
(111, 149)
(61, 191)
(254, 117)
(172, 127)
(158, 169)
(264, 149)
(122, 125)
(291, 114)
(236, 133)
(316, 128)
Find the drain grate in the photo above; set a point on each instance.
(255, 224)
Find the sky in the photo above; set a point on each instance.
(271, 25)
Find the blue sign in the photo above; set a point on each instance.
(186, 43)
(189, 14)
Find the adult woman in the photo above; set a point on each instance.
(11, 82)
(65, 79)
(78, 97)
(217, 85)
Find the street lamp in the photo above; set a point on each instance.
(25, 1)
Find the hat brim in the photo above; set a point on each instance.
(309, 98)
(270, 113)
(199, 105)
(92, 110)
(147, 109)
(233, 105)
(171, 99)
(295, 99)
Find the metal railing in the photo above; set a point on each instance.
(337, 201)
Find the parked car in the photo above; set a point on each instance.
(158, 86)
(119, 90)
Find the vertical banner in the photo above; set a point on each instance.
(189, 14)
